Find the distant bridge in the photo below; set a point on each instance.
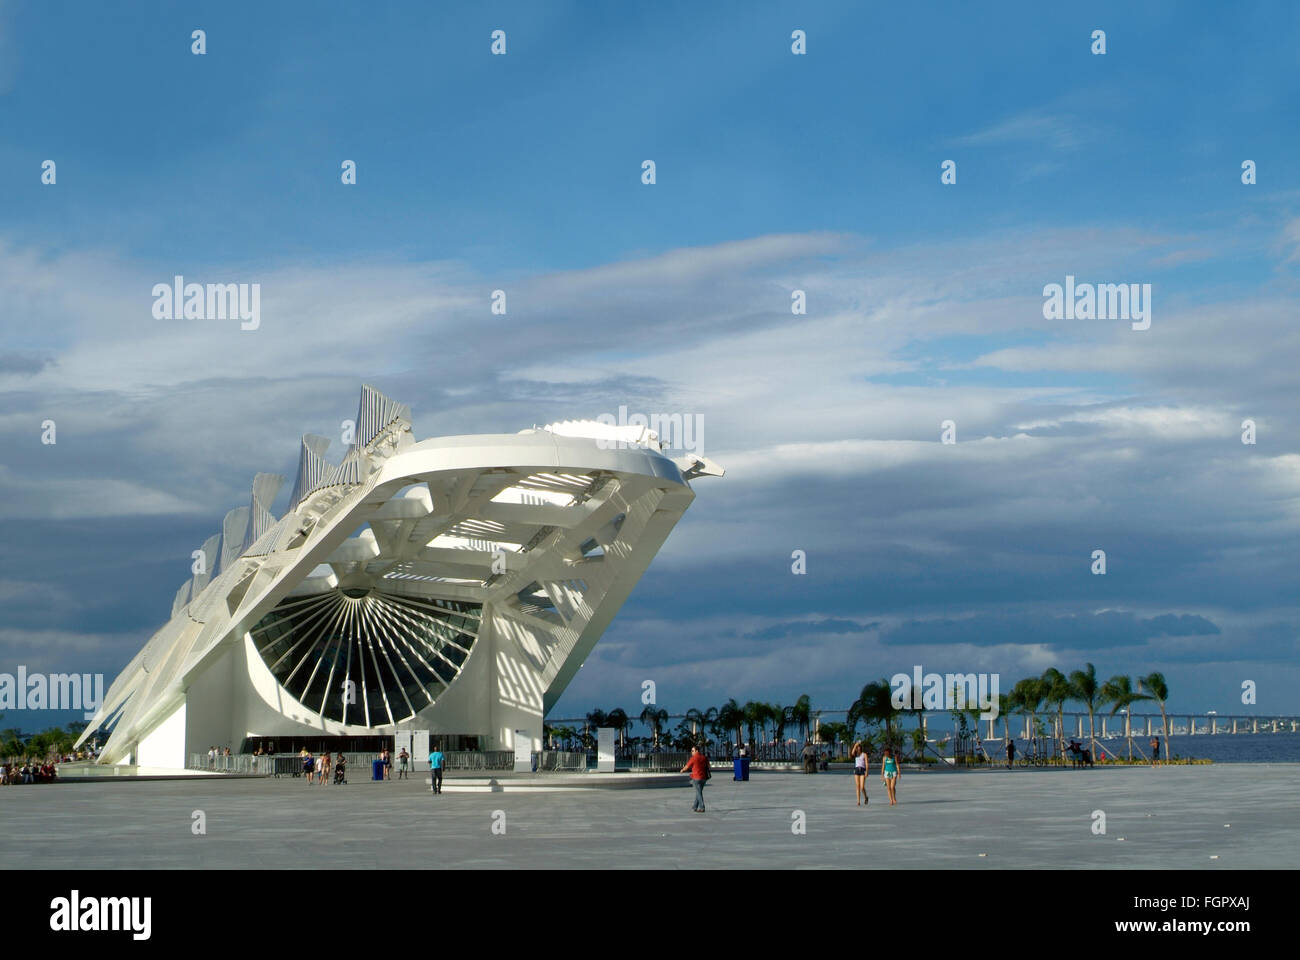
(1142, 724)
(1150, 724)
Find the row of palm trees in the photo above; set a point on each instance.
(1053, 690)
(764, 722)
(1028, 697)
(874, 707)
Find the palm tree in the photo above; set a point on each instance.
(755, 712)
(1056, 691)
(1119, 691)
(876, 704)
(565, 735)
(971, 711)
(832, 733)
(1084, 688)
(959, 712)
(780, 717)
(918, 743)
(801, 715)
(700, 719)
(1006, 705)
(731, 717)
(918, 735)
(851, 720)
(597, 719)
(620, 721)
(1154, 684)
(655, 720)
(1027, 697)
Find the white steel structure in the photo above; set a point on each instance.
(455, 585)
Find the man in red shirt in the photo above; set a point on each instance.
(698, 765)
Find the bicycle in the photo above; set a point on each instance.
(1035, 756)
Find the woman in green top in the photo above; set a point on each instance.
(889, 770)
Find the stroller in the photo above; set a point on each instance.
(340, 770)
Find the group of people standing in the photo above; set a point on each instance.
(889, 770)
(318, 769)
(29, 771)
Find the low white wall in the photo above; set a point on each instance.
(164, 746)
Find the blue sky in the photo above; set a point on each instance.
(774, 172)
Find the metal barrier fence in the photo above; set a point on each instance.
(479, 760)
(652, 762)
(290, 765)
(241, 763)
(279, 765)
(717, 753)
(561, 761)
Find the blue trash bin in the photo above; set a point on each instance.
(741, 768)
(376, 769)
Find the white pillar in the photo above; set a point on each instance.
(605, 737)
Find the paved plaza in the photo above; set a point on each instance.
(1246, 816)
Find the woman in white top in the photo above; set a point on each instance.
(859, 755)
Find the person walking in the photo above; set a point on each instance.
(325, 767)
(859, 755)
(388, 764)
(1155, 751)
(809, 758)
(403, 759)
(889, 767)
(698, 766)
(435, 770)
(1011, 752)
